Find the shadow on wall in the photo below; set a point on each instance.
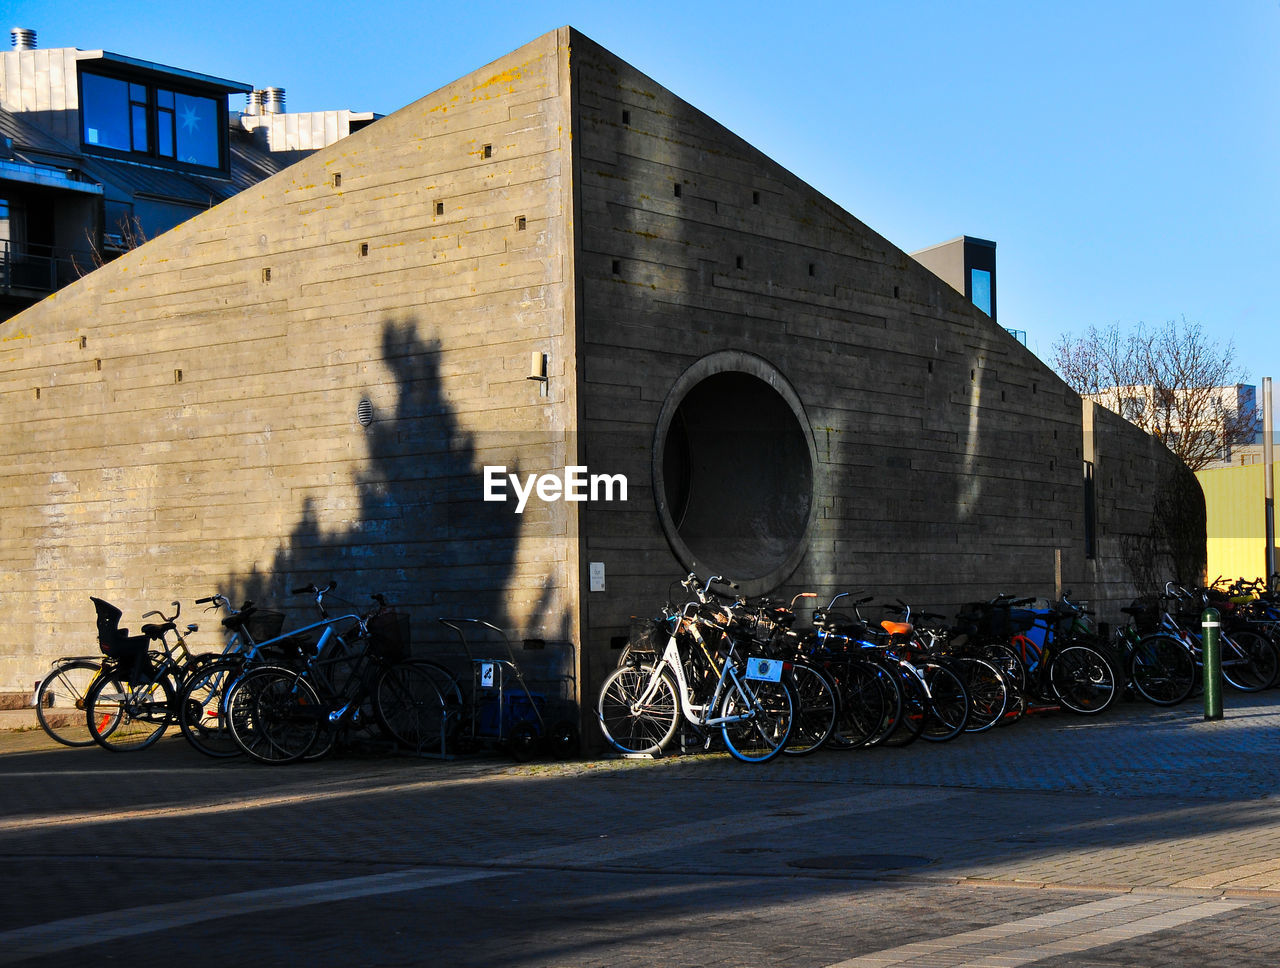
(420, 532)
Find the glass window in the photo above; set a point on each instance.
(105, 112)
(980, 286)
(134, 117)
(196, 129)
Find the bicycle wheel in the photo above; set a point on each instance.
(60, 701)
(1011, 667)
(913, 711)
(869, 701)
(274, 714)
(202, 714)
(1249, 660)
(1082, 679)
(629, 725)
(947, 703)
(1162, 670)
(816, 710)
(988, 692)
(123, 717)
(409, 708)
(769, 708)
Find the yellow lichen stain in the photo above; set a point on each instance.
(18, 335)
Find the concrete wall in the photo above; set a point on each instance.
(947, 459)
(786, 391)
(184, 420)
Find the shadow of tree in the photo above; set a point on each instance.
(419, 531)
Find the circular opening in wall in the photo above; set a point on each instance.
(734, 471)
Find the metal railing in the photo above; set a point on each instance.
(41, 268)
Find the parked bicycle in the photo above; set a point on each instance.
(704, 677)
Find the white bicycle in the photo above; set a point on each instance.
(703, 676)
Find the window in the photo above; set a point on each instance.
(120, 115)
(1090, 513)
(980, 287)
(1132, 408)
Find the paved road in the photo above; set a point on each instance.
(1148, 837)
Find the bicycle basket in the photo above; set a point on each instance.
(389, 635)
(263, 624)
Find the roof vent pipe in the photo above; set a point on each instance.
(23, 39)
(273, 100)
(253, 103)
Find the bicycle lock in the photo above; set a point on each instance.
(1210, 621)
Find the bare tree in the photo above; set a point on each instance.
(1173, 382)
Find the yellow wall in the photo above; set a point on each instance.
(1235, 521)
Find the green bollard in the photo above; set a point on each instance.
(1210, 620)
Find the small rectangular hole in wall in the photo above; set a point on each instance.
(677, 187)
(813, 268)
(895, 292)
(626, 117)
(617, 267)
(266, 275)
(37, 393)
(177, 376)
(931, 366)
(439, 208)
(337, 179)
(738, 262)
(1033, 388)
(755, 198)
(487, 151)
(97, 365)
(1002, 397)
(973, 375)
(84, 341)
(520, 223)
(364, 249)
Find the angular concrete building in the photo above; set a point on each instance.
(552, 263)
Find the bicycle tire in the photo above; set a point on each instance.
(125, 718)
(989, 693)
(60, 701)
(628, 727)
(408, 707)
(1083, 680)
(912, 712)
(1249, 660)
(1162, 670)
(764, 735)
(202, 714)
(947, 703)
(274, 714)
(869, 700)
(817, 709)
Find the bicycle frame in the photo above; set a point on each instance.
(671, 658)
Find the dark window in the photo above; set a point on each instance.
(141, 119)
(1090, 513)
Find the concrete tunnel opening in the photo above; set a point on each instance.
(735, 461)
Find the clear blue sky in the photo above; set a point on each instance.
(1124, 155)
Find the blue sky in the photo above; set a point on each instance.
(1123, 155)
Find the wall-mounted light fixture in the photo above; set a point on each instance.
(538, 371)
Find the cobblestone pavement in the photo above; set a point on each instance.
(1145, 837)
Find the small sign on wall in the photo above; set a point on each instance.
(597, 576)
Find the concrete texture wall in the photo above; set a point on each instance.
(792, 399)
(946, 458)
(184, 420)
